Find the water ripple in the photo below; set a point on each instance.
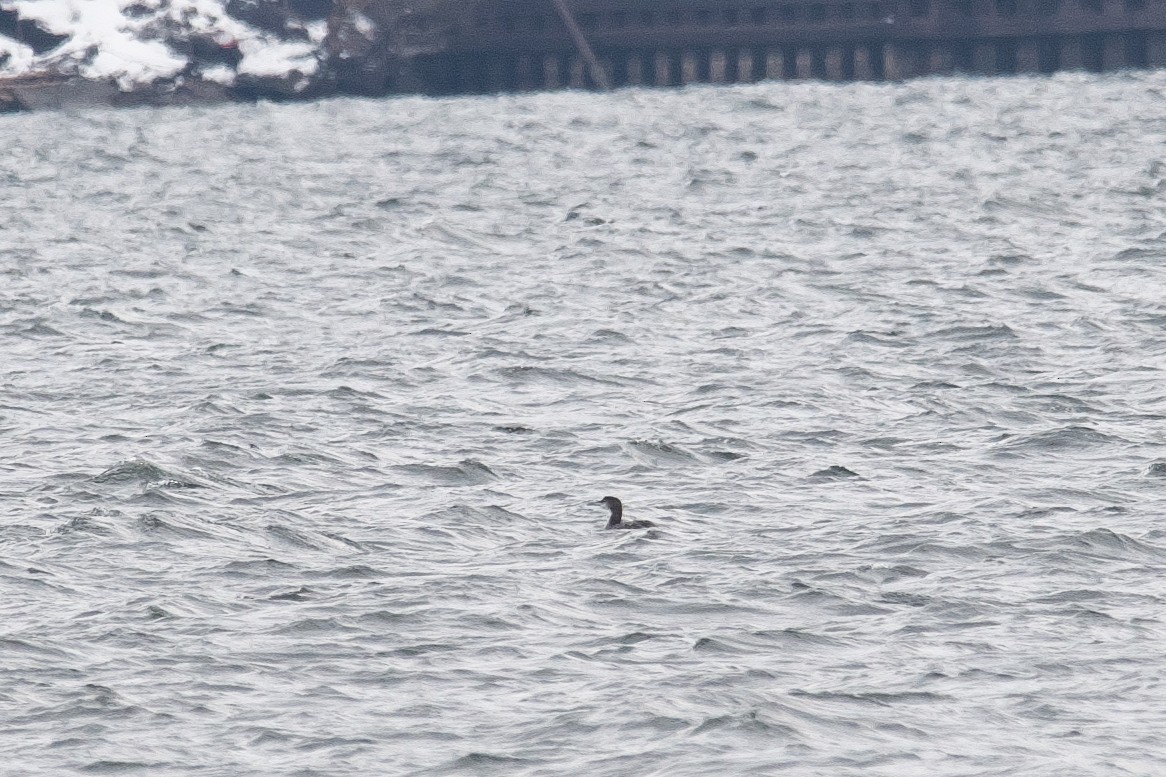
(306, 410)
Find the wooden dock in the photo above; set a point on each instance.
(515, 45)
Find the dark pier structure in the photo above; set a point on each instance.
(513, 45)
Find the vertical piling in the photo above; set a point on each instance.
(663, 68)
(495, 75)
(941, 59)
(1072, 53)
(606, 73)
(718, 66)
(898, 62)
(1027, 56)
(689, 68)
(863, 67)
(1156, 49)
(524, 72)
(745, 66)
(576, 73)
(551, 78)
(774, 64)
(804, 64)
(1113, 52)
(635, 69)
(834, 63)
(984, 58)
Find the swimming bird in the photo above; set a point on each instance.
(616, 521)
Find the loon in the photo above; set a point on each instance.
(616, 521)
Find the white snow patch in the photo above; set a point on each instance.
(277, 59)
(104, 42)
(364, 25)
(19, 57)
(101, 41)
(208, 17)
(220, 74)
(132, 62)
(56, 16)
(317, 31)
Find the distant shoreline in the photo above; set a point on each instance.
(47, 91)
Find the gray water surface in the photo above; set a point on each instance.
(304, 410)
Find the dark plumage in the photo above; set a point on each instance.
(616, 521)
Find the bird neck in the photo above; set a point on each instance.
(616, 515)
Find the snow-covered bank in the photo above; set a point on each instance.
(138, 45)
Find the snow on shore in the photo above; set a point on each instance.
(135, 42)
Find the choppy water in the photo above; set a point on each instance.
(304, 410)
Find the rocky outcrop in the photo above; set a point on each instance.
(164, 52)
(159, 51)
(28, 32)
